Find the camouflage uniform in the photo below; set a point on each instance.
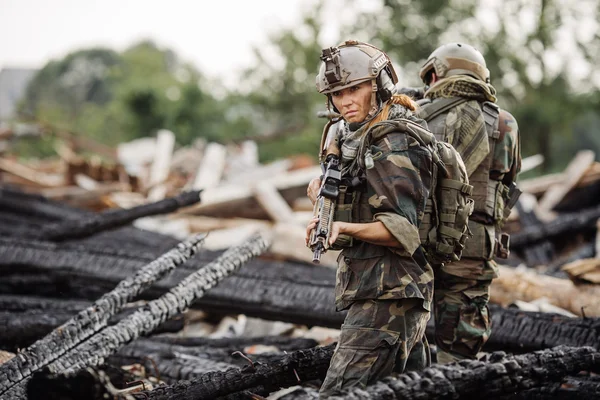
(492, 157)
(387, 291)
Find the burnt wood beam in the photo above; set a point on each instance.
(93, 351)
(564, 224)
(21, 329)
(498, 374)
(293, 292)
(521, 331)
(93, 318)
(290, 370)
(114, 218)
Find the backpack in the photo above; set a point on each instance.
(444, 226)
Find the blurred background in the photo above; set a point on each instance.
(113, 71)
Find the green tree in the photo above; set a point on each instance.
(278, 95)
(532, 48)
(116, 97)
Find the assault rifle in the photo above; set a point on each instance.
(325, 204)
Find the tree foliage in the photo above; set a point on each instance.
(541, 53)
(116, 97)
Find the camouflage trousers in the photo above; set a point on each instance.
(462, 320)
(376, 339)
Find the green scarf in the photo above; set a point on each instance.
(462, 86)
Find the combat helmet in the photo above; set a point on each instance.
(455, 59)
(353, 62)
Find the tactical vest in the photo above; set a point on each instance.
(444, 227)
(489, 195)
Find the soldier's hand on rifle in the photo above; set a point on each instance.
(313, 189)
(311, 225)
(335, 231)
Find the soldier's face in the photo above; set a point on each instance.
(354, 102)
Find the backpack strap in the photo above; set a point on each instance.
(430, 110)
(491, 115)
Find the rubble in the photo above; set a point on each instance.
(67, 241)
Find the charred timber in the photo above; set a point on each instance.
(22, 329)
(266, 289)
(114, 218)
(495, 376)
(149, 317)
(233, 344)
(564, 224)
(93, 318)
(177, 362)
(520, 331)
(292, 369)
(587, 250)
(539, 253)
(88, 384)
(581, 386)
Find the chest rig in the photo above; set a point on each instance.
(488, 194)
(491, 196)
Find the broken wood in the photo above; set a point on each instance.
(494, 375)
(144, 321)
(584, 270)
(31, 175)
(289, 244)
(211, 167)
(93, 318)
(291, 369)
(237, 200)
(113, 218)
(515, 284)
(573, 173)
(271, 201)
(165, 142)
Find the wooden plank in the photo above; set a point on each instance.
(165, 142)
(289, 244)
(531, 162)
(573, 173)
(527, 285)
(272, 202)
(211, 167)
(237, 200)
(31, 175)
(205, 224)
(584, 270)
(226, 238)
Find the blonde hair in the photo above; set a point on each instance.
(400, 99)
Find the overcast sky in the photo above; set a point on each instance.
(215, 35)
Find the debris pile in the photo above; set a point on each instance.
(96, 306)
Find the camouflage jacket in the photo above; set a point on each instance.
(394, 192)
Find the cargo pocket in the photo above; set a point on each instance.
(364, 356)
(474, 326)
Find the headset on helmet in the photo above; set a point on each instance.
(455, 59)
(353, 62)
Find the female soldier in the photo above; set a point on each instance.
(383, 278)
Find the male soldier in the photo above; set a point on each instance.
(459, 107)
(383, 278)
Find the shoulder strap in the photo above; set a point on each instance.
(431, 110)
(491, 114)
